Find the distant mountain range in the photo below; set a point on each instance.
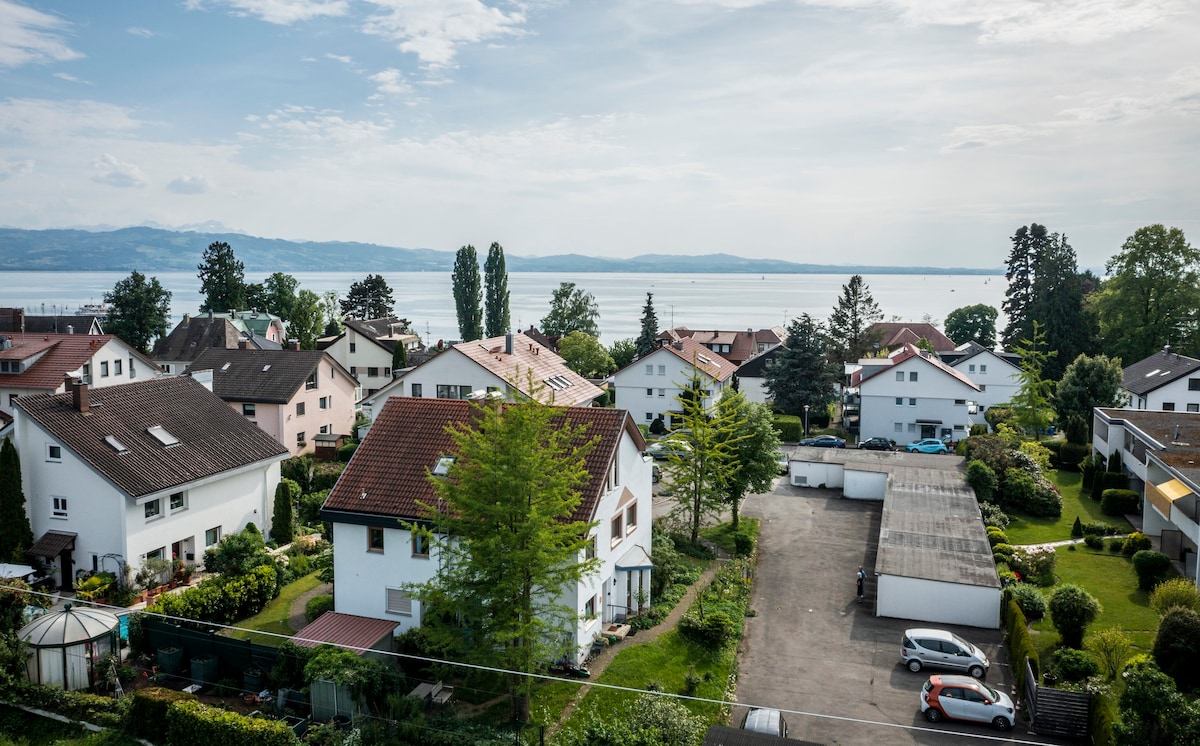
(156, 250)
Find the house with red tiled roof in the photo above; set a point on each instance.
(513, 365)
(895, 334)
(40, 363)
(648, 386)
(911, 394)
(157, 468)
(735, 346)
(388, 480)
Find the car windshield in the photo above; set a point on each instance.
(990, 692)
(963, 643)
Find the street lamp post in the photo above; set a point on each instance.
(806, 420)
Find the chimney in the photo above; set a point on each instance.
(19, 320)
(243, 343)
(79, 396)
(294, 345)
(678, 344)
(508, 342)
(1166, 349)
(70, 328)
(186, 318)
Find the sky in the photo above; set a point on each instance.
(889, 132)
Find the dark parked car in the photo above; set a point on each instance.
(878, 444)
(824, 441)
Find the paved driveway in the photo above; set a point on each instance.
(812, 649)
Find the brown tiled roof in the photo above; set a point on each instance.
(194, 335)
(213, 438)
(64, 353)
(703, 359)
(896, 333)
(530, 358)
(389, 473)
(264, 376)
(344, 629)
(743, 345)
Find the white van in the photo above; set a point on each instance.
(765, 720)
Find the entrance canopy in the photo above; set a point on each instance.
(52, 544)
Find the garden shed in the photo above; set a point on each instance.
(68, 646)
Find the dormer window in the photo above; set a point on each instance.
(162, 436)
(442, 468)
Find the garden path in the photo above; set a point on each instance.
(296, 619)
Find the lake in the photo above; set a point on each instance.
(727, 301)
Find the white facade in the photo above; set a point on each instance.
(915, 399)
(367, 360)
(65, 493)
(935, 601)
(1180, 395)
(112, 363)
(998, 379)
(649, 387)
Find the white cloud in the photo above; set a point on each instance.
(302, 127)
(434, 29)
(342, 58)
(29, 36)
(145, 33)
(189, 185)
(8, 169)
(283, 12)
(109, 170)
(391, 82)
(40, 120)
(67, 77)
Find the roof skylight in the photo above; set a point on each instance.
(115, 444)
(442, 468)
(162, 436)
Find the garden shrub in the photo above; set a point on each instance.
(1108, 480)
(1033, 495)
(325, 474)
(299, 565)
(1037, 453)
(148, 713)
(1076, 529)
(345, 452)
(1094, 542)
(1074, 665)
(1098, 528)
(658, 427)
(1003, 553)
(1052, 447)
(1071, 456)
(79, 705)
(983, 480)
(1135, 543)
(789, 427)
(193, 722)
(1152, 568)
(316, 606)
(1118, 502)
(993, 515)
(223, 599)
(1072, 609)
(310, 508)
(1029, 599)
(1035, 564)
(668, 720)
(1116, 545)
(1173, 593)
(1177, 646)
(743, 544)
(996, 536)
(1110, 648)
(1020, 646)
(979, 429)
(299, 469)
(714, 630)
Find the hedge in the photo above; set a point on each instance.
(1118, 502)
(1108, 480)
(1152, 568)
(1072, 455)
(316, 606)
(1020, 645)
(148, 713)
(190, 722)
(222, 600)
(789, 427)
(92, 708)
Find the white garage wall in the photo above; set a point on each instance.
(816, 474)
(935, 601)
(865, 485)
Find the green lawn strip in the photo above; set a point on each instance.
(722, 535)
(26, 729)
(663, 663)
(273, 618)
(1110, 579)
(552, 697)
(1032, 530)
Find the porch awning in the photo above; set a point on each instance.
(52, 544)
(929, 422)
(635, 559)
(1173, 489)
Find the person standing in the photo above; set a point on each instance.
(861, 580)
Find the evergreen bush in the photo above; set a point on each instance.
(193, 722)
(1094, 542)
(1152, 568)
(1030, 599)
(983, 480)
(1074, 665)
(1076, 529)
(1177, 646)
(1118, 502)
(1071, 456)
(316, 606)
(1135, 543)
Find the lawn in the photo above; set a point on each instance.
(19, 728)
(274, 617)
(1110, 578)
(1030, 530)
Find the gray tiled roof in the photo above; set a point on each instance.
(213, 438)
(264, 376)
(1156, 371)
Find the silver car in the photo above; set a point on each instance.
(936, 647)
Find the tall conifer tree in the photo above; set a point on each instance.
(855, 312)
(467, 295)
(647, 340)
(497, 318)
(222, 279)
(1027, 246)
(15, 533)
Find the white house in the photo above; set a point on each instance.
(1165, 381)
(514, 364)
(158, 468)
(735, 346)
(648, 386)
(752, 376)
(40, 363)
(366, 348)
(1159, 451)
(388, 478)
(915, 396)
(997, 374)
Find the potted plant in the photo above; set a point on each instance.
(170, 659)
(252, 678)
(204, 669)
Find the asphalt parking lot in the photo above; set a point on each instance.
(813, 650)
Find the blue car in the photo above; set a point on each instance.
(824, 441)
(927, 445)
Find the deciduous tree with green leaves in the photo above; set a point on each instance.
(1072, 609)
(498, 318)
(647, 339)
(307, 319)
(755, 444)
(1089, 382)
(584, 354)
(699, 477)
(280, 292)
(975, 323)
(801, 372)
(1152, 296)
(138, 310)
(856, 311)
(16, 535)
(222, 279)
(571, 309)
(506, 541)
(623, 352)
(467, 295)
(370, 298)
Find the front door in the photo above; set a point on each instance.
(928, 431)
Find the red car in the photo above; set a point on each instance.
(966, 698)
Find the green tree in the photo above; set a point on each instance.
(1176, 592)
(1111, 648)
(1088, 382)
(1177, 646)
(1031, 402)
(623, 352)
(1027, 245)
(331, 307)
(649, 720)
(506, 541)
(399, 357)
(15, 533)
(280, 292)
(498, 319)
(975, 323)
(283, 526)
(1152, 296)
(856, 311)
(1072, 609)
(584, 354)
(370, 298)
(222, 279)
(755, 444)
(467, 295)
(571, 309)
(647, 340)
(801, 372)
(1153, 712)
(306, 321)
(139, 310)
(699, 477)
(1057, 305)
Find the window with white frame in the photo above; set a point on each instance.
(178, 501)
(649, 417)
(649, 392)
(912, 375)
(157, 554)
(117, 367)
(372, 371)
(912, 402)
(662, 370)
(53, 452)
(631, 518)
(104, 369)
(399, 602)
(1168, 406)
(300, 439)
(589, 552)
(912, 427)
(132, 370)
(971, 368)
(420, 544)
(899, 401)
(212, 537)
(649, 370)
(353, 347)
(153, 509)
(618, 526)
(325, 429)
(323, 402)
(983, 368)
(898, 427)
(59, 507)
(589, 608)
(1193, 408)
(662, 393)
(248, 410)
(416, 390)
(299, 409)
(960, 402)
(899, 375)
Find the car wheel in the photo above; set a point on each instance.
(914, 665)
(1000, 722)
(976, 671)
(933, 715)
